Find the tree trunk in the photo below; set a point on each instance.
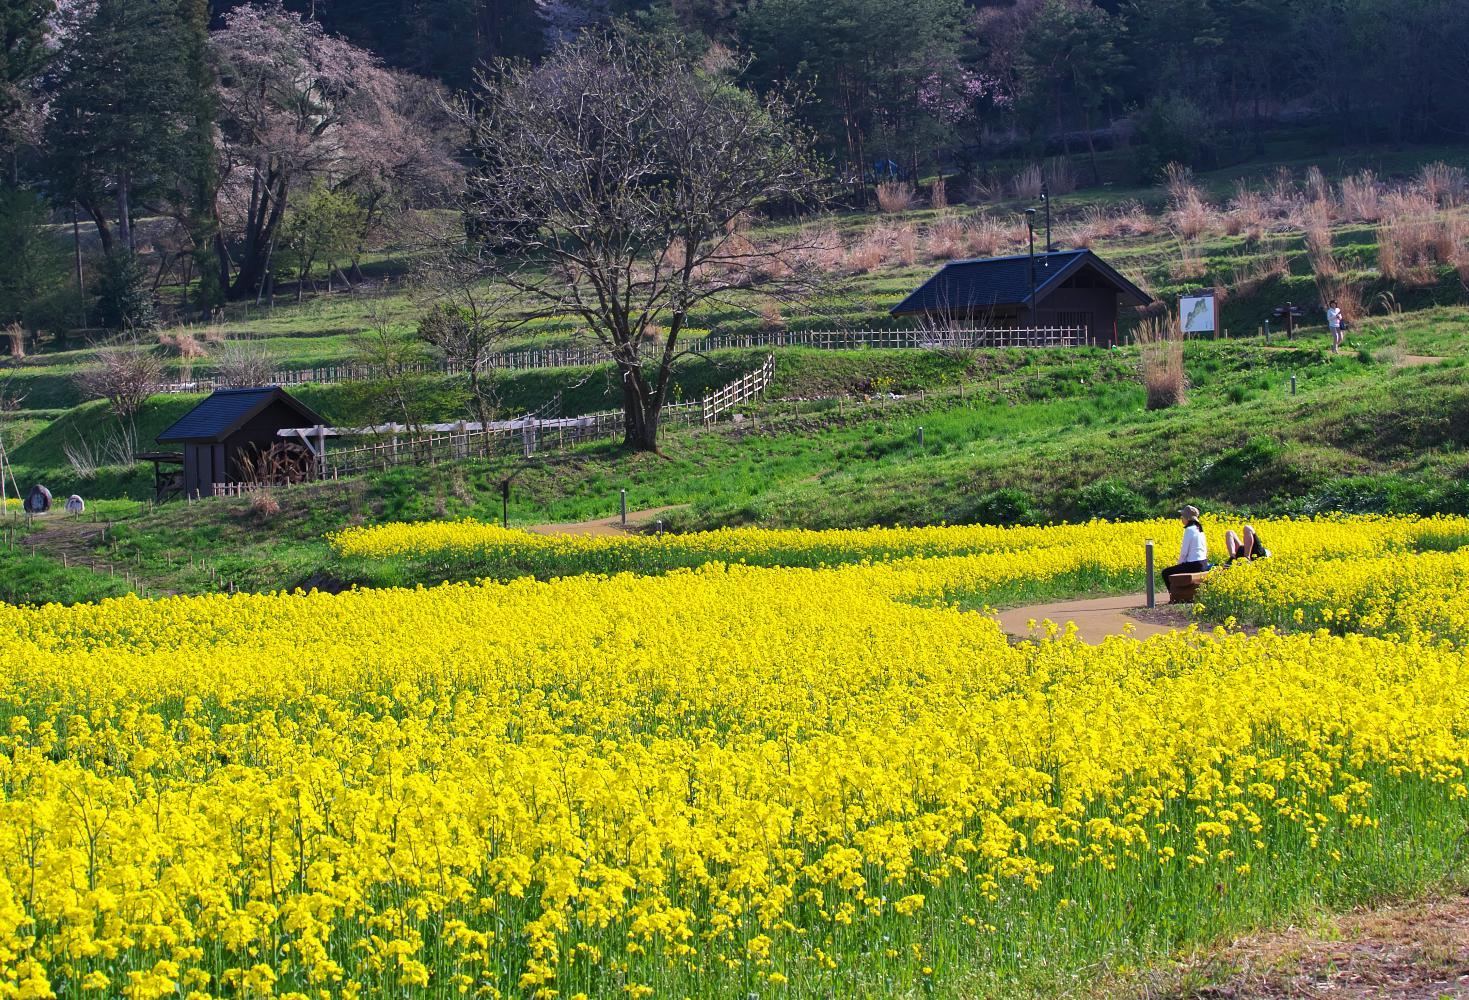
(124, 214)
(641, 409)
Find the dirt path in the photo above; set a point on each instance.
(1420, 360)
(1409, 951)
(607, 526)
(1099, 617)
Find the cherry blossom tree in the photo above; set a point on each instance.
(298, 107)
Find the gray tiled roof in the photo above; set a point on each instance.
(1005, 281)
(225, 409)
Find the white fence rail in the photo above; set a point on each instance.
(567, 357)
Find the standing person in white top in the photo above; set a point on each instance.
(1193, 556)
(1333, 323)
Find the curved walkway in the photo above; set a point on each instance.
(604, 526)
(1099, 618)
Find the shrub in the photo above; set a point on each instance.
(124, 299)
(1006, 505)
(1174, 129)
(243, 363)
(1109, 500)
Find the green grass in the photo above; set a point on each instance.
(1033, 436)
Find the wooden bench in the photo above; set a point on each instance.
(1183, 587)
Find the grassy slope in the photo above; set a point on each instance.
(1038, 435)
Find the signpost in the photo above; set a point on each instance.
(1196, 313)
(1290, 313)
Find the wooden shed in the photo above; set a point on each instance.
(1066, 288)
(231, 437)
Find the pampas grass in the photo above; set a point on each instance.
(1160, 354)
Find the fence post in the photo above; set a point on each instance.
(622, 506)
(1152, 599)
(320, 450)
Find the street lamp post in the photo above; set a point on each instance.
(1046, 200)
(1030, 228)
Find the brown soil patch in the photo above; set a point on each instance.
(637, 520)
(1412, 951)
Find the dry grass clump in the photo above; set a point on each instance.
(264, 504)
(985, 237)
(1316, 187)
(1247, 214)
(1444, 184)
(895, 196)
(1407, 203)
(1060, 178)
(1252, 277)
(1361, 197)
(867, 254)
(1190, 261)
(1189, 214)
(183, 345)
(946, 238)
(990, 187)
(16, 335)
(1160, 353)
(1411, 249)
(1028, 182)
(938, 196)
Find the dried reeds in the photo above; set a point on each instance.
(1361, 197)
(1060, 178)
(1160, 359)
(938, 195)
(895, 196)
(985, 237)
(945, 238)
(1445, 184)
(1028, 182)
(1247, 214)
(16, 335)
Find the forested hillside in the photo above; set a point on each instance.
(263, 142)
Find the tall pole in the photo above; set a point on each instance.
(1046, 198)
(1030, 228)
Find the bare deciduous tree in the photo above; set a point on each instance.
(612, 182)
(469, 318)
(240, 364)
(125, 376)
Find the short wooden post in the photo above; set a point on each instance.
(622, 505)
(1152, 599)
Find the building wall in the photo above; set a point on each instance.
(1094, 307)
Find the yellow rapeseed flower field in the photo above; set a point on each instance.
(726, 780)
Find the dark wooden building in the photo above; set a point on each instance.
(231, 437)
(1069, 288)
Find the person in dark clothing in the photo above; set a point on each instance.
(1246, 545)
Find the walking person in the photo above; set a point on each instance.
(1193, 555)
(1334, 324)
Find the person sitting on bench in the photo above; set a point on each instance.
(1246, 545)
(1193, 556)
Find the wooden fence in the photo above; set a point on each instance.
(567, 357)
(396, 444)
(741, 389)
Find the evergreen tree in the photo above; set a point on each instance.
(118, 140)
(23, 55)
(124, 300)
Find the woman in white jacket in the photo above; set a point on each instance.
(1193, 555)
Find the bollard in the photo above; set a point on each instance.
(920, 437)
(622, 506)
(659, 526)
(1152, 599)
(1292, 385)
